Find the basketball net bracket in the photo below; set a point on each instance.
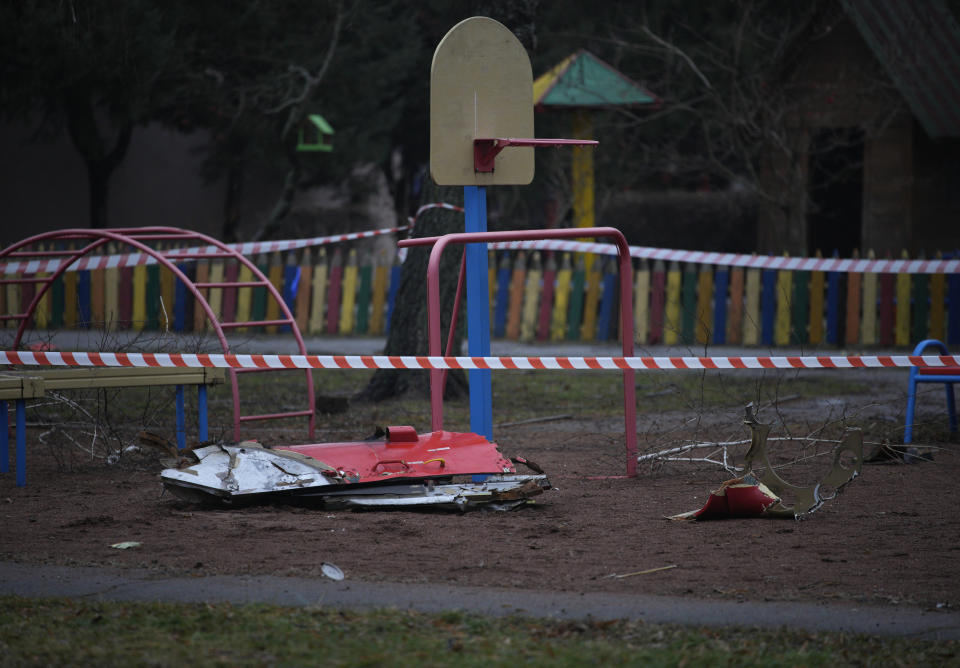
(486, 149)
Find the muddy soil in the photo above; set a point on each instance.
(889, 538)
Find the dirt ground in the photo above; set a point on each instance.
(889, 538)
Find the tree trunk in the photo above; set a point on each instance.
(408, 324)
(233, 200)
(100, 160)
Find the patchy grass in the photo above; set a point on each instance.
(71, 632)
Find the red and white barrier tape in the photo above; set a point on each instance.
(844, 265)
(435, 205)
(747, 261)
(232, 361)
(135, 259)
(248, 248)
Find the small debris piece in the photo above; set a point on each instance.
(126, 545)
(331, 571)
(758, 494)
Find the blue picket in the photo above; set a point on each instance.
(502, 301)
(392, 293)
(84, 312)
(291, 284)
(607, 322)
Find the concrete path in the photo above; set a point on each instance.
(102, 584)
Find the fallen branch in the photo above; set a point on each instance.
(548, 418)
(643, 572)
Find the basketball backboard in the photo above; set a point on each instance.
(481, 86)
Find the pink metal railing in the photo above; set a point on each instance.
(626, 312)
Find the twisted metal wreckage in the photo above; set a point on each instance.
(760, 492)
(398, 467)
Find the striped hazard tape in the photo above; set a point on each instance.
(232, 361)
(844, 265)
(117, 260)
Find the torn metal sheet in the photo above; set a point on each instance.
(402, 469)
(760, 491)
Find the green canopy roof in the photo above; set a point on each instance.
(583, 80)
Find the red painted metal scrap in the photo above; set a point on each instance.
(406, 454)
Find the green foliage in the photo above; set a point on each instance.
(70, 632)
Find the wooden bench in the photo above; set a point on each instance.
(33, 384)
(948, 375)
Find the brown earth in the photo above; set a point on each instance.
(890, 538)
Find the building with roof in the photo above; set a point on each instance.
(870, 153)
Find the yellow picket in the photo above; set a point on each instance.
(561, 300)
(751, 314)
(111, 294)
(69, 298)
(275, 276)
(348, 294)
(244, 296)
(318, 293)
(531, 299)
(202, 276)
(672, 323)
(215, 295)
(381, 285)
(704, 323)
(41, 314)
(781, 321)
(588, 330)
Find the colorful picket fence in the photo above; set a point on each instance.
(535, 296)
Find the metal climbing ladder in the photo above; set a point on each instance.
(144, 239)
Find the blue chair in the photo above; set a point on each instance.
(948, 375)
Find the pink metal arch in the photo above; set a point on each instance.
(135, 237)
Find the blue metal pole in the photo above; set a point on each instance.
(478, 312)
(202, 413)
(181, 420)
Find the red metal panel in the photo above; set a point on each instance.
(432, 454)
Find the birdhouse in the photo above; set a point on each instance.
(314, 134)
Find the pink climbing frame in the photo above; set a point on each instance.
(135, 238)
(626, 312)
